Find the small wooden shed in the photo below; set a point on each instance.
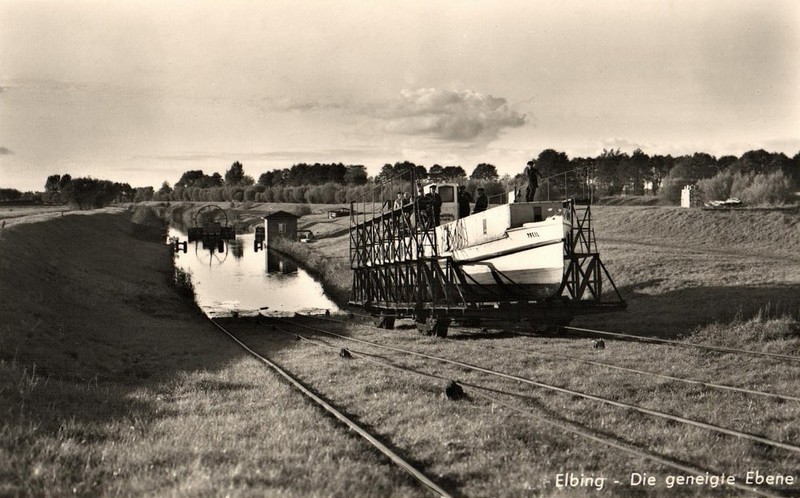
(280, 224)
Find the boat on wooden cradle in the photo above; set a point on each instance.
(535, 261)
(516, 248)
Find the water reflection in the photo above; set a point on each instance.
(248, 281)
(236, 247)
(278, 264)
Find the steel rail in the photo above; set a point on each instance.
(668, 341)
(568, 428)
(394, 457)
(687, 344)
(571, 392)
(713, 385)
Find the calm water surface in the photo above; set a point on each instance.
(239, 278)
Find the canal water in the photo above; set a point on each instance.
(235, 277)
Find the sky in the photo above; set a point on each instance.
(140, 92)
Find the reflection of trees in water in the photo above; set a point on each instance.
(275, 263)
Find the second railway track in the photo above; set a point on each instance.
(791, 450)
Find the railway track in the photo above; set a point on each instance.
(287, 325)
(611, 366)
(682, 344)
(418, 475)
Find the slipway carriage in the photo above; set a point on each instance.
(533, 261)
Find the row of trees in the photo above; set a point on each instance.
(86, 193)
(614, 173)
(610, 173)
(757, 176)
(328, 193)
(312, 183)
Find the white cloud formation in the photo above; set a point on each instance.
(288, 104)
(462, 115)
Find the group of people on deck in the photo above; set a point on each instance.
(430, 203)
(464, 199)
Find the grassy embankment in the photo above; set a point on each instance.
(111, 383)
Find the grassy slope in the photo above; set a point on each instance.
(683, 268)
(110, 383)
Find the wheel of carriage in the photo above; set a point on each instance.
(384, 321)
(467, 322)
(551, 326)
(436, 327)
(440, 327)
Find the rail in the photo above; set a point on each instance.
(394, 457)
(564, 427)
(666, 416)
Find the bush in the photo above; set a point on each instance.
(182, 281)
(717, 188)
(302, 210)
(670, 190)
(146, 215)
(762, 188)
(751, 187)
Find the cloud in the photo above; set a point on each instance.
(287, 104)
(462, 115)
(5, 151)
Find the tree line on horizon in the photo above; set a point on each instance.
(757, 176)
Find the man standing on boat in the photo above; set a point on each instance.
(482, 202)
(464, 199)
(533, 180)
(436, 203)
(423, 207)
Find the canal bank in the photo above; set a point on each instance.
(84, 295)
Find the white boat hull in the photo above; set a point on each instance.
(527, 261)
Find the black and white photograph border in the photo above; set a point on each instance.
(400, 248)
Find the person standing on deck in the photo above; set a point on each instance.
(398, 203)
(423, 207)
(481, 203)
(533, 180)
(464, 199)
(436, 203)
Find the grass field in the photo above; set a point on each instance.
(133, 393)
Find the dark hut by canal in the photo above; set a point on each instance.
(280, 224)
